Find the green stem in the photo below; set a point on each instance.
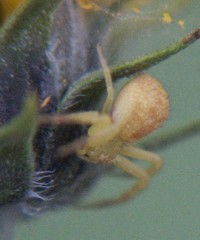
(94, 80)
(148, 61)
(171, 136)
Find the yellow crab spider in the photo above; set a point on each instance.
(141, 106)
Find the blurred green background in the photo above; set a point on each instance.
(170, 207)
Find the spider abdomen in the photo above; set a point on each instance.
(141, 107)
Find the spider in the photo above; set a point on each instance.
(141, 106)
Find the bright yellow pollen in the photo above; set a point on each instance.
(181, 23)
(136, 10)
(85, 4)
(45, 102)
(167, 18)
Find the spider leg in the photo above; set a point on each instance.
(81, 118)
(135, 152)
(107, 107)
(132, 169)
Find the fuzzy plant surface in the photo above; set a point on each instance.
(45, 55)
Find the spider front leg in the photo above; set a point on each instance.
(80, 118)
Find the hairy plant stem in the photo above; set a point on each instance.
(94, 80)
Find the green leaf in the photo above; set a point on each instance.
(24, 67)
(31, 22)
(24, 39)
(16, 155)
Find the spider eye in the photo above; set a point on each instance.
(141, 107)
